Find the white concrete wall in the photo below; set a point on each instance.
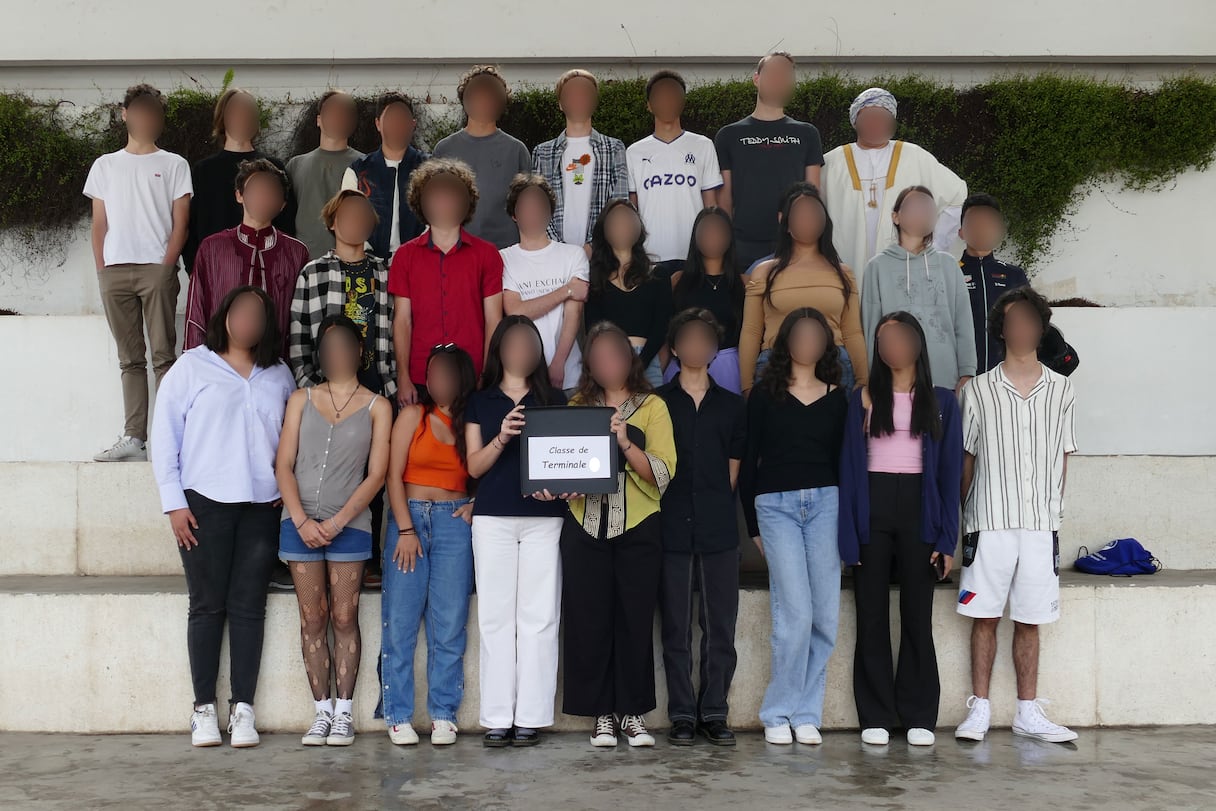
(102, 644)
(304, 30)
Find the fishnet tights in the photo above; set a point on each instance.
(323, 605)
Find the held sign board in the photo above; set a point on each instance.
(568, 449)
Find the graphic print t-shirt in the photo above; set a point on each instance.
(765, 158)
(538, 273)
(576, 189)
(359, 305)
(668, 179)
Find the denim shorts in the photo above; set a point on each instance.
(350, 545)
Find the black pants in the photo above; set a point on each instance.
(906, 696)
(716, 577)
(665, 270)
(747, 252)
(227, 576)
(609, 592)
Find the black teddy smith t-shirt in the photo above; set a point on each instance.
(765, 158)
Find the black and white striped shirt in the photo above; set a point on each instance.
(1019, 446)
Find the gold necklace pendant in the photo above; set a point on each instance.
(873, 201)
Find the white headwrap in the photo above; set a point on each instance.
(874, 97)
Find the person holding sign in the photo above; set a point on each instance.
(789, 487)
(428, 559)
(516, 555)
(612, 550)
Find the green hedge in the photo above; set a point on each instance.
(1035, 141)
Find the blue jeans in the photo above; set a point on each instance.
(437, 592)
(798, 529)
(847, 376)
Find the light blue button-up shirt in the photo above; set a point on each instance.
(216, 432)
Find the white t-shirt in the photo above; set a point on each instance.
(532, 274)
(668, 179)
(576, 189)
(351, 181)
(139, 192)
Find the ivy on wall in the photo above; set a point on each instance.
(1037, 142)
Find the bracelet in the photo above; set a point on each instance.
(409, 531)
(297, 526)
(497, 443)
(334, 524)
(627, 450)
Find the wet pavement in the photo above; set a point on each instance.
(1109, 769)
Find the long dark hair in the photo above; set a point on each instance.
(694, 269)
(899, 202)
(784, 253)
(268, 350)
(926, 419)
(538, 378)
(461, 365)
(340, 322)
(604, 262)
(589, 391)
(775, 379)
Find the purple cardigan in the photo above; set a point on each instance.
(940, 482)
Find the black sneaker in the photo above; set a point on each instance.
(280, 577)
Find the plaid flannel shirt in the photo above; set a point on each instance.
(609, 176)
(321, 291)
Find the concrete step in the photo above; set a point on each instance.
(111, 653)
(104, 519)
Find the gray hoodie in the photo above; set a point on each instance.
(929, 286)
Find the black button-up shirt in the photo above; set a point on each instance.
(698, 509)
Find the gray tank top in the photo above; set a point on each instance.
(331, 462)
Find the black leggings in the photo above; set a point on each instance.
(227, 576)
(887, 696)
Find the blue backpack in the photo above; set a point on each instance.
(1122, 558)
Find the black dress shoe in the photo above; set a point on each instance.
(682, 733)
(524, 737)
(717, 733)
(497, 738)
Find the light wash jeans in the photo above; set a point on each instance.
(798, 529)
(437, 591)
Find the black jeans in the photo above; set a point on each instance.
(716, 577)
(609, 592)
(227, 576)
(907, 696)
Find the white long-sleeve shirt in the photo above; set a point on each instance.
(216, 432)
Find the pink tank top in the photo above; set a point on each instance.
(900, 452)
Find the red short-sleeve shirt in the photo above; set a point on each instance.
(446, 293)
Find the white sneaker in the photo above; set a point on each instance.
(604, 733)
(1033, 723)
(875, 736)
(319, 731)
(241, 727)
(808, 734)
(126, 449)
(778, 735)
(205, 727)
(919, 736)
(402, 735)
(443, 733)
(975, 726)
(634, 727)
(343, 731)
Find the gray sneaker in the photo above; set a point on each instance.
(126, 449)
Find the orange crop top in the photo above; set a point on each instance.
(432, 463)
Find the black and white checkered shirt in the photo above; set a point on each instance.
(609, 176)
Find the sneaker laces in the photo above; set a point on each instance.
(240, 719)
(633, 725)
(342, 725)
(321, 724)
(1037, 706)
(604, 726)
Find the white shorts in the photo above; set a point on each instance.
(1018, 565)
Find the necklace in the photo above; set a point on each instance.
(713, 281)
(873, 201)
(338, 411)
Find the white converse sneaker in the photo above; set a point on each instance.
(342, 733)
(319, 731)
(875, 736)
(808, 734)
(975, 726)
(443, 733)
(205, 727)
(402, 734)
(126, 449)
(779, 735)
(919, 736)
(634, 727)
(1031, 722)
(604, 733)
(241, 727)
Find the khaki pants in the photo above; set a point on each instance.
(134, 296)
